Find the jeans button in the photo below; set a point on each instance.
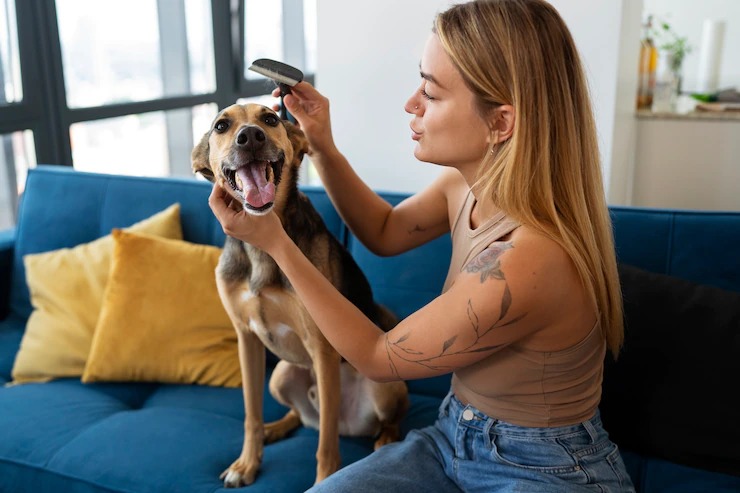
(467, 415)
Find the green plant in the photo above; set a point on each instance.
(668, 40)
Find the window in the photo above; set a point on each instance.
(130, 79)
(10, 71)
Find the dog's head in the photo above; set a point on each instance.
(249, 151)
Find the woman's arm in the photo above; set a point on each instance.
(499, 298)
(382, 228)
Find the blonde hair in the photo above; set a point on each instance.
(548, 174)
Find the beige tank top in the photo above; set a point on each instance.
(516, 384)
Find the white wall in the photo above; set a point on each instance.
(686, 18)
(607, 34)
(367, 64)
(676, 170)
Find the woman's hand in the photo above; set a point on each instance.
(311, 110)
(263, 232)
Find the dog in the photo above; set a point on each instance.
(255, 156)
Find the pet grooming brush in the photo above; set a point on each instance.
(284, 76)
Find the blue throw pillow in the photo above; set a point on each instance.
(672, 392)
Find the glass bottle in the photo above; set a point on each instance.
(646, 67)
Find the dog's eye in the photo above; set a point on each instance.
(272, 120)
(221, 126)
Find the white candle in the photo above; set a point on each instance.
(710, 56)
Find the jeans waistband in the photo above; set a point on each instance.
(468, 415)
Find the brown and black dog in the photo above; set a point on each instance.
(255, 157)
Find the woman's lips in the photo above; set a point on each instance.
(415, 135)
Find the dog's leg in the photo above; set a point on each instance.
(289, 386)
(391, 402)
(326, 364)
(252, 358)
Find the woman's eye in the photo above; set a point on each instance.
(425, 94)
(271, 120)
(221, 126)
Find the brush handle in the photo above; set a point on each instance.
(284, 89)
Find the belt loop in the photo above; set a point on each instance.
(591, 430)
(444, 408)
(487, 432)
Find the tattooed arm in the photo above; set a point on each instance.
(505, 294)
(476, 317)
(389, 230)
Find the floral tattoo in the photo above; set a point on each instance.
(488, 265)
(487, 262)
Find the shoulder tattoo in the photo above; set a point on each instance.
(488, 262)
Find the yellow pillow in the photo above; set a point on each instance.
(162, 319)
(66, 288)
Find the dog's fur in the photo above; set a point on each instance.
(266, 311)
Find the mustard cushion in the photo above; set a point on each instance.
(162, 319)
(66, 288)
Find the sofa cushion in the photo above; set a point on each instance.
(660, 476)
(67, 287)
(147, 438)
(162, 319)
(681, 352)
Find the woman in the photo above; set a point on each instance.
(531, 301)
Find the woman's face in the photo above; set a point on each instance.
(447, 127)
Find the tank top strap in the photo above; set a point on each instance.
(467, 243)
(464, 211)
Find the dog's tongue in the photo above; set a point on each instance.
(257, 190)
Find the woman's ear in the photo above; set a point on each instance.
(502, 123)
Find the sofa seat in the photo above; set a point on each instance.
(150, 438)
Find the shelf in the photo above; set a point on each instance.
(691, 115)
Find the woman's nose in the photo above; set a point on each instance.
(412, 105)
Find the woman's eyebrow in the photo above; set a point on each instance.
(428, 77)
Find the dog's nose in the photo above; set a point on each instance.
(250, 137)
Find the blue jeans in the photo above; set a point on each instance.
(465, 450)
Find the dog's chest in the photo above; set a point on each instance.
(278, 323)
(264, 271)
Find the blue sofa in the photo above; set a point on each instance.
(65, 436)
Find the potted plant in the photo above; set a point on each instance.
(671, 51)
(672, 47)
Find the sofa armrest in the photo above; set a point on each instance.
(7, 244)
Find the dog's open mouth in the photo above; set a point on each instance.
(255, 182)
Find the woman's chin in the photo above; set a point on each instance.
(420, 155)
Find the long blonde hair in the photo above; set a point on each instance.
(548, 174)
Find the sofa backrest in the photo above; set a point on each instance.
(697, 246)
(62, 208)
(406, 282)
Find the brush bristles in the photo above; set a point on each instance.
(274, 75)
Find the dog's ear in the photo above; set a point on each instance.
(298, 140)
(199, 158)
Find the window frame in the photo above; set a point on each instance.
(44, 109)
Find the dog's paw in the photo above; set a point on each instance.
(388, 434)
(277, 430)
(239, 474)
